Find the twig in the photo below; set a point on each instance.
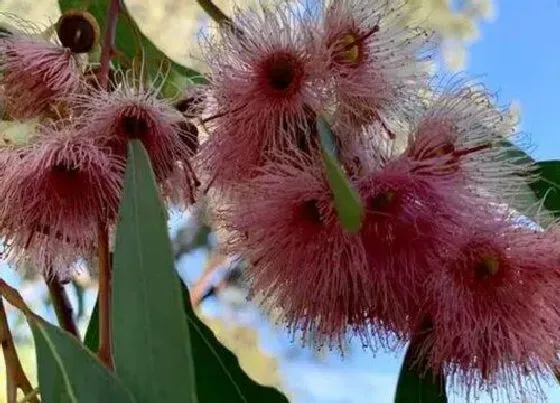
(204, 284)
(107, 49)
(15, 376)
(214, 12)
(62, 306)
(15, 299)
(104, 351)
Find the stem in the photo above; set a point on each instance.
(15, 377)
(104, 351)
(204, 284)
(62, 306)
(107, 49)
(214, 12)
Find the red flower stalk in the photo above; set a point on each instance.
(409, 225)
(264, 90)
(374, 62)
(464, 135)
(494, 306)
(54, 193)
(38, 73)
(130, 111)
(284, 224)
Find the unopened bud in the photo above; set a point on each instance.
(78, 31)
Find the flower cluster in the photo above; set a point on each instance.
(64, 183)
(432, 165)
(438, 253)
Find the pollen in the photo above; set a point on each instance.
(351, 50)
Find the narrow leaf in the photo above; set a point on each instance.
(416, 384)
(527, 200)
(216, 365)
(70, 373)
(91, 338)
(151, 341)
(547, 186)
(346, 199)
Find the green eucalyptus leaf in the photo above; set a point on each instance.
(151, 341)
(216, 365)
(527, 200)
(70, 373)
(91, 338)
(416, 384)
(346, 199)
(547, 186)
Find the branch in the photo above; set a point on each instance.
(201, 288)
(15, 299)
(214, 12)
(206, 284)
(15, 376)
(107, 49)
(104, 350)
(62, 306)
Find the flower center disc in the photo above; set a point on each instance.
(65, 168)
(134, 127)
(282, 71)
(311, 211)
(381, 201)
(486, 268)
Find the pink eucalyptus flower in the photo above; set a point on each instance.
(36, 72)
(263, 93)
(374, 61)
(494, 306)
(54, 193)
(301, 259)
(409, 225)
(130, 111)
(463, 134)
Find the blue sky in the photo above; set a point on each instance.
(518, 55)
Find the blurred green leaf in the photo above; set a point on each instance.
(70, 373)
(91, 339)
(151, 341)
(346, 200)
(527, 200)
(216, 365)
(131, 44)
(547, 186)
(417, 384)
